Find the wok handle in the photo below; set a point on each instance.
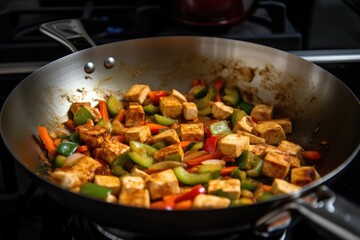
(69, 32)
(332, 212)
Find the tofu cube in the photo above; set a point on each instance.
(190, 111)
(276, 165)
(246, 124)
(253, 138)
(294, 161)
(170, 107)
(137, 93)
(204, 201)
(285, 123)
(221, 111)
(135, 115)
(230, 187)
(291, 148)
(163, 183)
(169, 136)
(280, 186)
(303, 175)
(258, 149)
(111, 149)
(73, 177)
(140, 133)
(93, 136)
(108, 181)
(132, 182)
(136, 172)
(262, 112)
(173, 152)
(270, 131)
(233, 145)
(133, 192)
(135, 198)
(192, 132)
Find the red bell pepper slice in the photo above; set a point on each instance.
(156, 95)
(210, 144)
(191, 194)
(198, 160)
(311, 155)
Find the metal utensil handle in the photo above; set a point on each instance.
(324, 208)
(335, 214)
(68, 32)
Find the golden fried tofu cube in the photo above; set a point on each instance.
(74, 176)
(280, 186)
(270, 131)
(221, 111)
(136, 172)
(108, 181)
(190, 111)
(285, 123)
(170, 107)
(173, 152)
(131, 182)
(111, 149)
(246, 124)
(233, 145)
(135, 197)
(192, 132)
(117, 128)
(253, 138)
(262, 112)
(276, 165)
(303, 175)
(135, 115)
(291, 148)
(175, 93)
(93, 136)
(137, 93)
(163, 183)
(258, 149)
(205, 201)
(294, 161)
(230, 187)
(169, 136)
(140, 133)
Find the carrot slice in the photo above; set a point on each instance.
(227, 170)
(155, 128)
(47, 140)
(121, 115)
(103, 110)
(198, 160)
(183, 205)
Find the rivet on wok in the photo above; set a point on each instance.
(89, 67)
(109, 62)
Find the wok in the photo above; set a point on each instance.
(322, 107)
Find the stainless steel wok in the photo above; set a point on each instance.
(322, 107)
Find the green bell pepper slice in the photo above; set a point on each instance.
(256, 167)
(82, 115)
(245, 160)
(113, 105)
(142, 148)
(162, 120)
(119, 164)
(95, 191)
(236, 116)
(59, 161)
(246, 106)
(203, 102)
(232, 96)
(188, 178)
(220, 128)
(67, 148)
(141, 159)
(151, 109)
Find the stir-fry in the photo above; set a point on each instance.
(163, 149)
